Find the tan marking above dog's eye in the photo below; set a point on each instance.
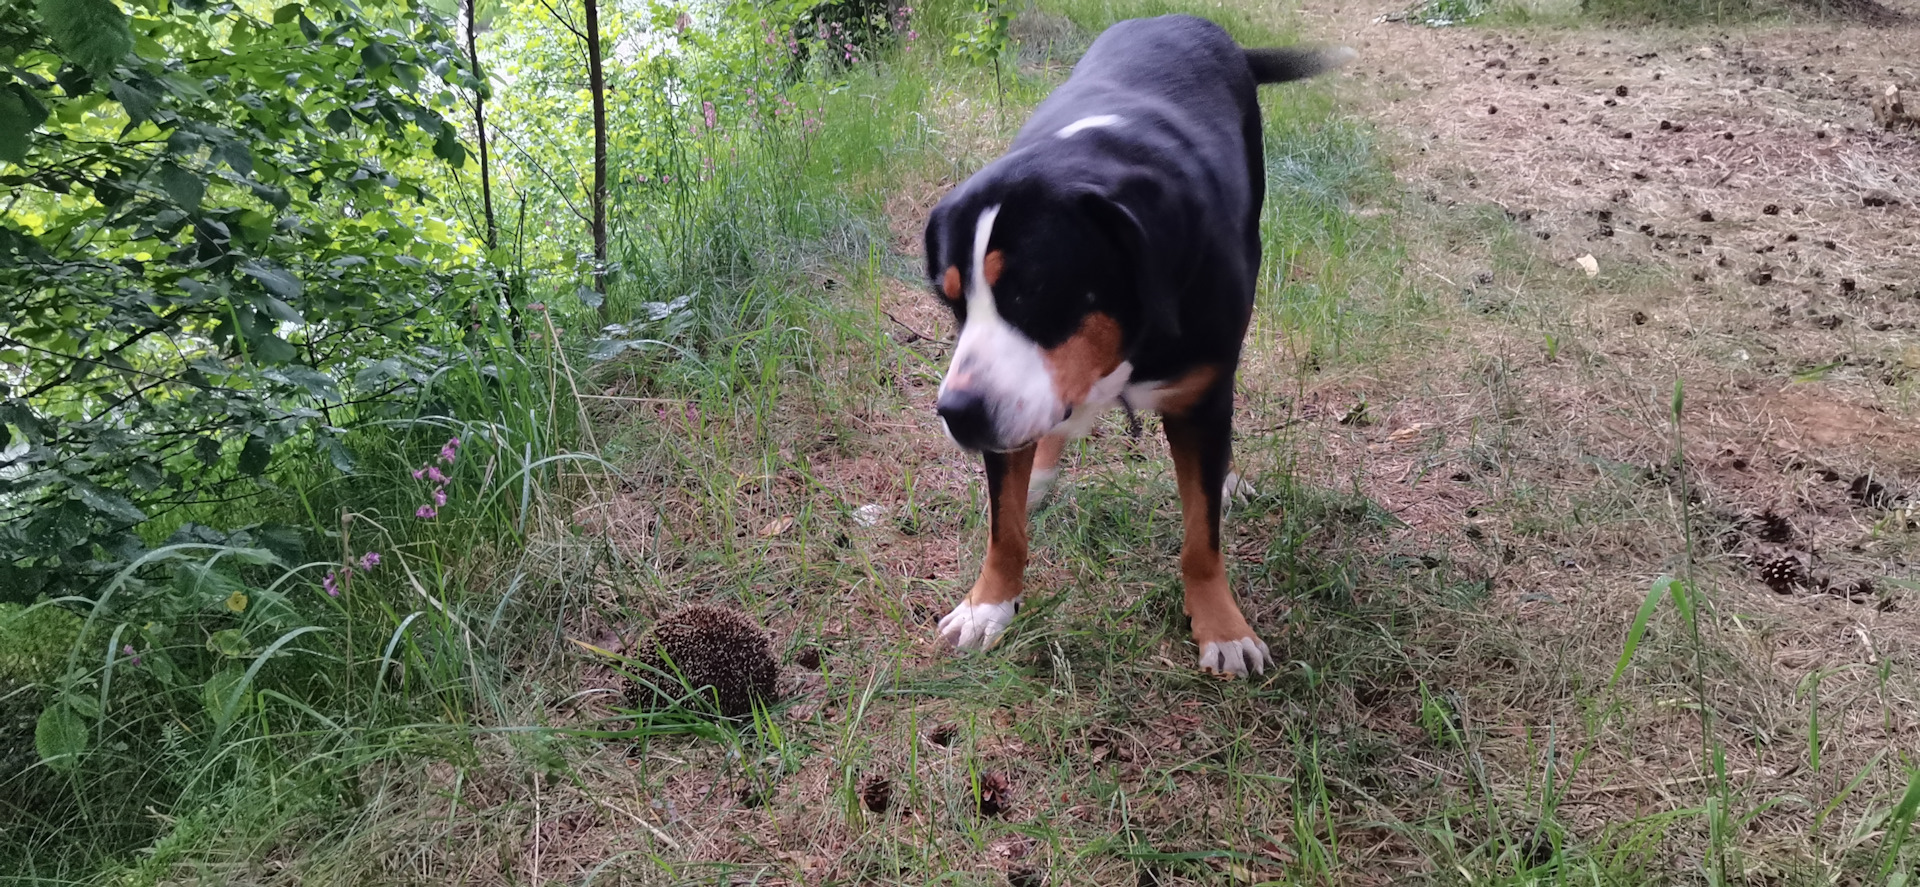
(991, 267)
(950, 284)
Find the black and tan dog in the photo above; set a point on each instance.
(1109, 259)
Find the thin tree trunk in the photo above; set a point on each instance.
(490, 235)
(480, 128)
(597, 82)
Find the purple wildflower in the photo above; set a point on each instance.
(131, 654)
(417, 472)
(369, 560)
(433, 474)
(332, 588)
(440, 496)
(707, 108)
(426, 512)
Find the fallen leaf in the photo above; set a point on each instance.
(777, 526)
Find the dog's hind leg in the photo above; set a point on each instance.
(978, 622)
(1046, 467)
(1202, 445)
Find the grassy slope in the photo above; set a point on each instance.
(1418, 731)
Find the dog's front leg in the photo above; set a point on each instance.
(980, 619)
(1202, 445)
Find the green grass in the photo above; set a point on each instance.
(443, 727)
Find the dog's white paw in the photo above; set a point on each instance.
(1236, 488)
(976, 626)
(1237, 658)
(1039, 485)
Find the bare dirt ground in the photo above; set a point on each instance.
(1756, 235)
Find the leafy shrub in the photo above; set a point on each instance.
(218, 244)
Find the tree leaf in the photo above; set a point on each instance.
(589, 297)
(183, 186)
(60, 737)
(144, 475)
(20, 113)
(255, 456)
(447, 147)
(271, 349)
(313, 381)
(279, 282)
(338, 454)
(110, 504)
(379, 371)
(376, 54)
(278, 310)
(139, 103)
(90, 33)
(207, 450)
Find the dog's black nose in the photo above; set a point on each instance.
(965, 413)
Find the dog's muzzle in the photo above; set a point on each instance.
(968, 420)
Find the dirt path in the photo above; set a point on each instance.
(1755, 234)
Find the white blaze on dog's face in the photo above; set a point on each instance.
(997, 394)
(1034, 352)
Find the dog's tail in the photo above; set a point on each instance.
(1296, 62)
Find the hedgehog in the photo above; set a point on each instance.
(719, 652)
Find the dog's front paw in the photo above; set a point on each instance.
(976, 626)
(1235, 658)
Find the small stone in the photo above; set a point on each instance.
(1847, 284)
(1771, 209)
(1706, 216)
(1620, 91)
(1878, 198)
(1760, 277)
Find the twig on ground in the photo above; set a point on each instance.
(909, 329)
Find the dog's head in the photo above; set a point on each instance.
(1047, 288)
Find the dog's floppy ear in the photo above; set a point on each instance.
(1152, 277)
(935, 236)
